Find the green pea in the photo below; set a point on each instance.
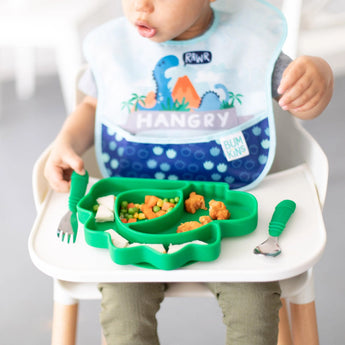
(124, 204)
(177, 199)
(172, 200)
(132, 210)
(156, 208)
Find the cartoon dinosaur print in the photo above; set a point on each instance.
(164, 99)
(210, 100)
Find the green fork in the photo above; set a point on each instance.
(68, 226)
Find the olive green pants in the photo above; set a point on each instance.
(250, 312)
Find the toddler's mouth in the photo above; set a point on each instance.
(145, 30)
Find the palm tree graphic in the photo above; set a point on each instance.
(133, 102)
(234, 98)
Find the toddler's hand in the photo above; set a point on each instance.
(306, 87)
(60, 165)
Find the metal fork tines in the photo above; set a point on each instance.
(65, 229)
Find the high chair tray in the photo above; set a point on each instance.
(141, 237)
(302, 242)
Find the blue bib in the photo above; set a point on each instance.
(199, 109)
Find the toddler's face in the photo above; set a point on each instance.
(163, 20)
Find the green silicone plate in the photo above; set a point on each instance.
(162, 230)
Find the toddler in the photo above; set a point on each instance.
(179, 90)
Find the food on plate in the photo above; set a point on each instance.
(187, 226)
(108, 201)
(117, 240)
(152, 207)
(205, 220)
(103, 214)
(151, 200)
(120, 242)
(173, 248)
(148, 211)
(218, 210)
(166, 206)
(159, 247)
(156, 246)
(105, 208)
(194, 203)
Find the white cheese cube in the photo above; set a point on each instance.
(117, 239)
(156, 246)
(173, 248)
(135, 244)
(159, 247)
(108, 201)
(103, 214)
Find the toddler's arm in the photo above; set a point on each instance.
(75, 137)
(306, 87)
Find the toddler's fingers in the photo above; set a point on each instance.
(308, 105)
(59, 168)
(57, 179)
(75, 162)
(291, 75)
(298, 95)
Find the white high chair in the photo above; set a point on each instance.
(299, 172)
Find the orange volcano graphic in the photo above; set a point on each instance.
(184, 89)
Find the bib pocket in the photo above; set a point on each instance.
(238, 158)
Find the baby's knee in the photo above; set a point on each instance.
(128, 312)
(249, 299)
(129, 297)
(250, 312)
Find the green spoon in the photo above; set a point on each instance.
(281, 215)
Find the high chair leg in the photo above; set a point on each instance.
(64, 324)
(304, 324)
(284, 334)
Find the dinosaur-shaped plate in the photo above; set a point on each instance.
(162, 230)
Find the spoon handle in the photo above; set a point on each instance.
(281, 215)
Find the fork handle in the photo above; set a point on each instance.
(281, 215)
(78, 189)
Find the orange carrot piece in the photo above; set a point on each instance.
(147, 210)
(167, 205)
(151, 200)
(160, 213)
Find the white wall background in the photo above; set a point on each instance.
(45, 63)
